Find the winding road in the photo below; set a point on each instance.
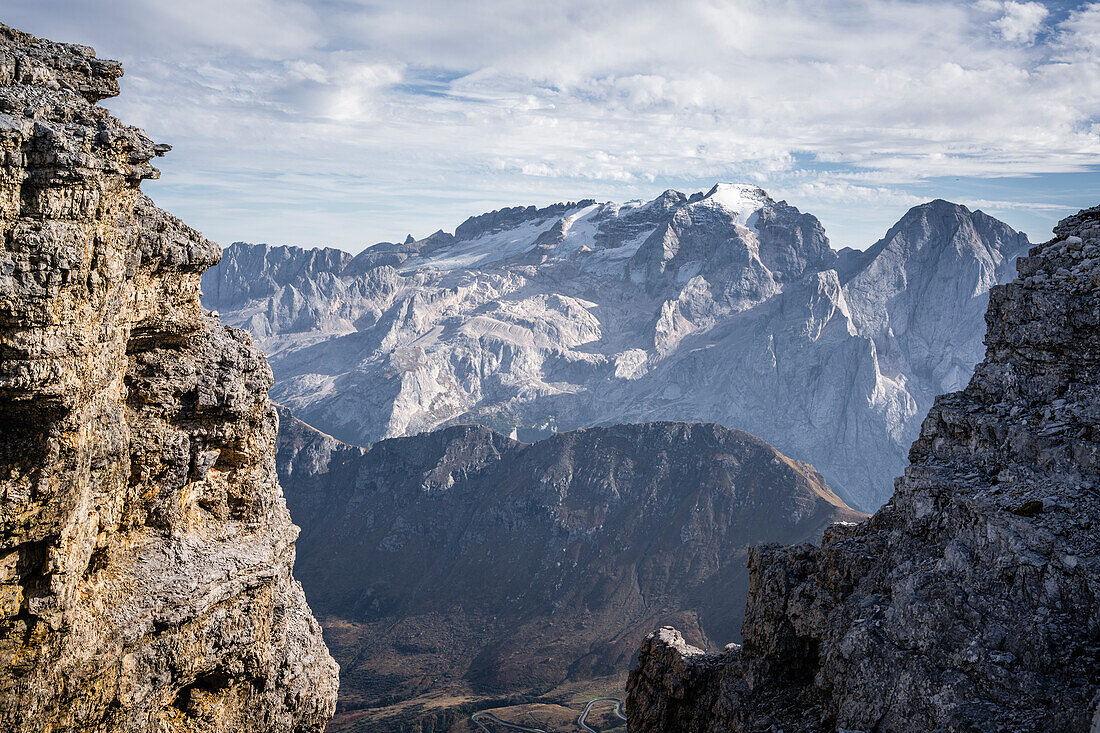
(618, 711)
(478, 717)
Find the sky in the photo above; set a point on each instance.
(348, 122)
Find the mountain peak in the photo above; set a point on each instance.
(742, 199)
(953, 224)
(723, 189)
(936, 206)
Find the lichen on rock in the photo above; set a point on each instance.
(145, 546)
(970, 601)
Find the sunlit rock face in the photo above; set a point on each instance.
(724, 307)
(971, 600)
(145, 547)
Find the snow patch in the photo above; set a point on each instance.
(740, 199)
(632, 364)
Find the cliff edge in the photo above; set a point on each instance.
(145, 547)
(971, 600)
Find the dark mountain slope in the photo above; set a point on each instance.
(477, 561)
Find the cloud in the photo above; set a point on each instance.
(1018, 22)
(349, 121)
(1079, 35)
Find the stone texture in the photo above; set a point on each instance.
(145, 547)
(971, 600)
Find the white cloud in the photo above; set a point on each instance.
(350, 121)
(1018, 22)
(1080, 35)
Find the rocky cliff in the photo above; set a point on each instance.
(724, 306)
(468, 562)
(970, 601)
(145, 547)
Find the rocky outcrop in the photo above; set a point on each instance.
(145, 547)
(465, 561)
(970, 601)
(724, 306)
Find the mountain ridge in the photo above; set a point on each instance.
(494, 566)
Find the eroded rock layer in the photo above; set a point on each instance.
(970, 601)
(145, 547)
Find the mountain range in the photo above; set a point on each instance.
(724, 307)
(463, 564)
(150, 567)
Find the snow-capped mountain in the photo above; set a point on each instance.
(723, 307)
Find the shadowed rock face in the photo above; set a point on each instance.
(970, 601)
(724, 307)
(465, 556)
(145, 547)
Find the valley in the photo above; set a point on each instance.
(556, 710)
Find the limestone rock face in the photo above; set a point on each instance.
(145, 546)
(971, 600)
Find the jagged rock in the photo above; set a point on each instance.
(145, 547)
(723, 306)
(970, 601)
(507, 218)
(463, 560)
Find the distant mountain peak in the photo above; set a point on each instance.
(741, 199)
(734, 192)
(946, 225)
(501, 219)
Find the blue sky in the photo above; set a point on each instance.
(347, 122)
